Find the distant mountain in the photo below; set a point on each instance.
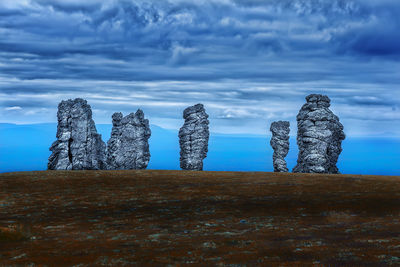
(26, 147)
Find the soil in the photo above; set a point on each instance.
(181, 218)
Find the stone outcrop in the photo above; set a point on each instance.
(319, 137)
(78, 145)
(280, 143)
(193, 138)
(128, 147)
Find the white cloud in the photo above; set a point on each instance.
(13, 108)
(181, 54)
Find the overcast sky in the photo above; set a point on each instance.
(250, 62)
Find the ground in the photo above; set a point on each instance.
(156, 218)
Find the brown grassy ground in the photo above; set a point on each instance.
(117, 218)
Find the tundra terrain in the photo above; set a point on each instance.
(156, 218)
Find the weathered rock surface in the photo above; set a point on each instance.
(128, 147)
(78, 145)
(280, 143)
(319, 137)
(193, 138)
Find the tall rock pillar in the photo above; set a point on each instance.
(193, 138)
(78, 145)
(128, 147)
(280, 143)
(319, 136)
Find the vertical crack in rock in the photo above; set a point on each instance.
(128, 147)
(69, 150)
(78, 145)
(193, 138)
(319, 137)
(280, 143)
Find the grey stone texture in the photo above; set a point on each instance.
(280, 143)
(78, 145)
(193, 138)
(319, 137)
(128, 147)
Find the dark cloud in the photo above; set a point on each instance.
(377, 40)
(371, 101)
(7, 13)
(378, 35)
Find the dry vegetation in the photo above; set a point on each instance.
(117, 218)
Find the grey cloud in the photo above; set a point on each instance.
(115, 25)
(382, 39)
(372, 101)
(10, 12)
(263, 55)
(71, 6)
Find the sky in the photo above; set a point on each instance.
(26, 148)
(250, 62)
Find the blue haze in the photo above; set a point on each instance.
(25, 148)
